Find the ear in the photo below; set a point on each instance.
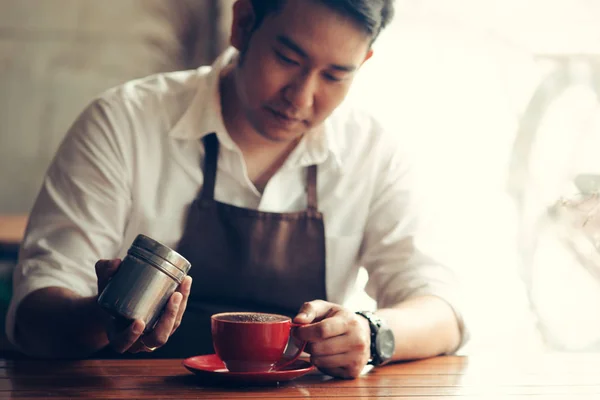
(242, 25)
(368, 56)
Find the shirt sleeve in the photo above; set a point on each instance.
(395, 251)
(80, 213)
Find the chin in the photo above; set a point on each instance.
(280, 135)
(276, 130)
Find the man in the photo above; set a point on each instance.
(253, 171)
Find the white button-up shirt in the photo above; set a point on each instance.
(131, 164)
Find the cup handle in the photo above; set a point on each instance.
(285, 361)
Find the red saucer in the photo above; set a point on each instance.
(211, 367)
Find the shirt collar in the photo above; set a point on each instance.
(316, 147)
(203, 116)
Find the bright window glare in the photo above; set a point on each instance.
(454, 80)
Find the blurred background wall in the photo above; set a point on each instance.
(57, 55)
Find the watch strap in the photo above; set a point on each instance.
(374, 325)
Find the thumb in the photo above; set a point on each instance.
(314, 311)
(105, 269)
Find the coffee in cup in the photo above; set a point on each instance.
(253, 342)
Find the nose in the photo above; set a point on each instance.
(301, 92)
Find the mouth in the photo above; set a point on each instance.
(288, 119)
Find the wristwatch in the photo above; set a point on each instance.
(382, 339)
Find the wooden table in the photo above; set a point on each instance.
(572, 377)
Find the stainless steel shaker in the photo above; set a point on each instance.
(144, 282)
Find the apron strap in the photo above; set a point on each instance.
(211, 155)
(311, 188)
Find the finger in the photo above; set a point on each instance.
(163, 328)
(336, 324)
(104, 270)
(121, 341)
(314, 311)
(138, 347)
(185, 289)
(339, 345)
(347, 365)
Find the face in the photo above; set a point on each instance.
(297, 66)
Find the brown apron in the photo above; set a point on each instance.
(246, 260)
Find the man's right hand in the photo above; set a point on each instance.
(129, 337)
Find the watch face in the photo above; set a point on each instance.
(385, 344)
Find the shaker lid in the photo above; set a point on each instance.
(162, 251)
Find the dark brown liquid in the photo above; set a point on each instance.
(252, 317)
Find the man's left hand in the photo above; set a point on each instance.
(339, 341)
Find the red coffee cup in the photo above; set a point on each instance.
(253, 342)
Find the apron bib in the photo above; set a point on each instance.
(245, 260)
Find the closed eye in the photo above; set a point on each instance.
(332, 78)
(286, 60)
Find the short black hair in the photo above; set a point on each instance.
(371, 15)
